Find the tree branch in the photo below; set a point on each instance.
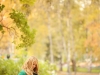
(10, 29)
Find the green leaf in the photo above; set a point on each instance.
(3, 31)
(29, 2)
(1, 28)
(1, 7)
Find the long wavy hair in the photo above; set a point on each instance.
(28, 65)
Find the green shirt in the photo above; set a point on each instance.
(22, 73)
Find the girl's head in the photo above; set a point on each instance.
(31, 65)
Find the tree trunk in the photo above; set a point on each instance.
(61, 33)
(60, 62)
(50, 36)
(74, 65)
(69, 28)
(69, 45)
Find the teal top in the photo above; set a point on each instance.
(22, 73)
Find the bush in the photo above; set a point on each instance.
(46, 69)
(9, 67)
(12, 67)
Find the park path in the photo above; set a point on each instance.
(79, 73)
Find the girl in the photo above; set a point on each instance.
(30, 67)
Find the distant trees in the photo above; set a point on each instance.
(66, 29)
(68, 25)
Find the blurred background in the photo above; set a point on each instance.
(63, 34)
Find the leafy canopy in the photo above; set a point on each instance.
(27, 36)
(21, 23)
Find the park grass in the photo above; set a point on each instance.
(81, 69)
(85, 70)
(96, 70)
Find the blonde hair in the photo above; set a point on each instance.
(28, 64)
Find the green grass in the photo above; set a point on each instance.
(94, 70)
(80, 69)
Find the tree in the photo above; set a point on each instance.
(18, 27)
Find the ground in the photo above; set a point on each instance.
(78, 73)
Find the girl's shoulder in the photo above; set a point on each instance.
(22, 72)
